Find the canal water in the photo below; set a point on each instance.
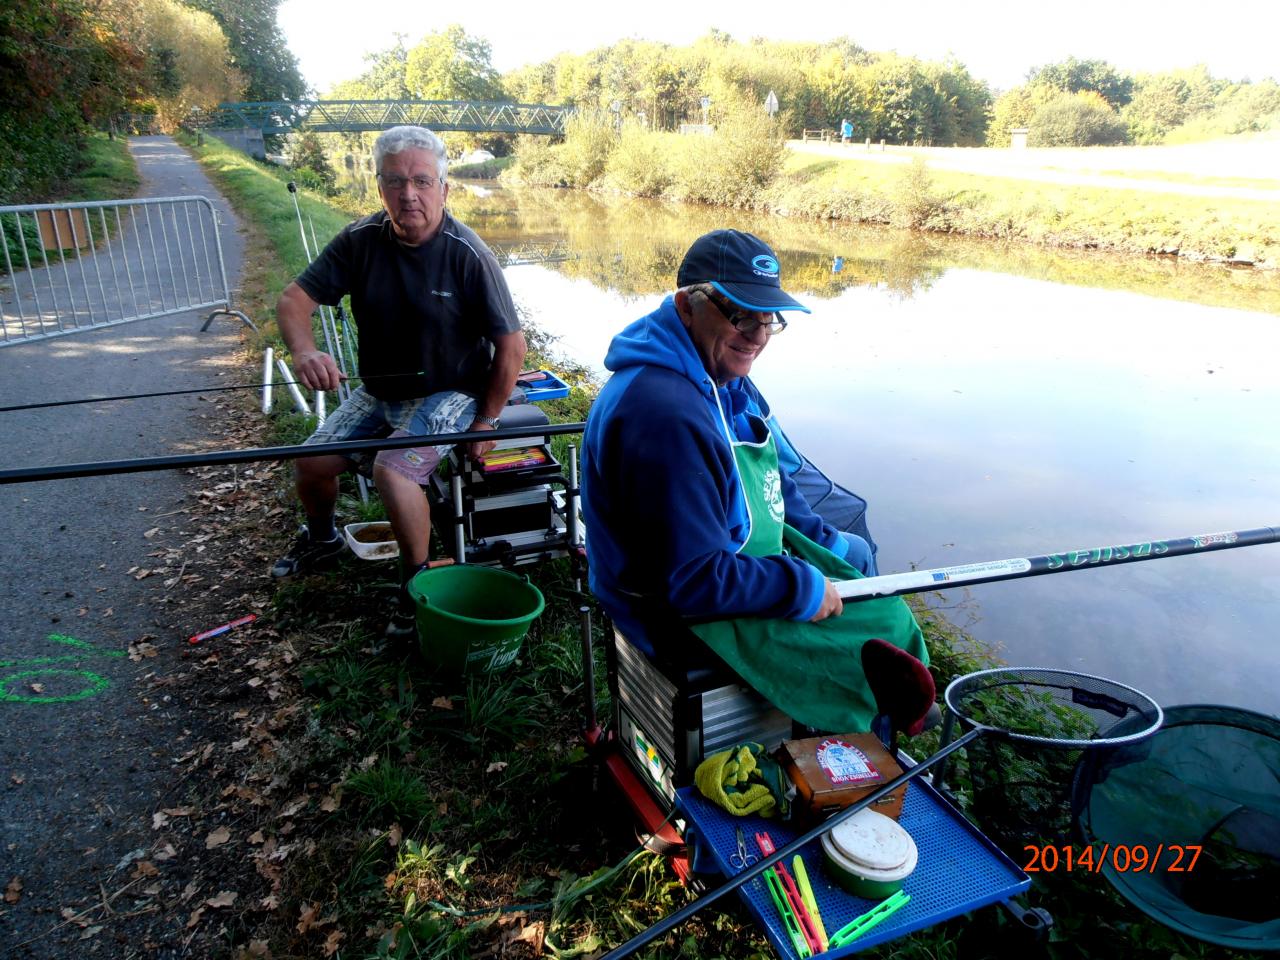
(994, 401)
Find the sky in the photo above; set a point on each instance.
(998, 40)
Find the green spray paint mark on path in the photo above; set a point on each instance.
(28, 686)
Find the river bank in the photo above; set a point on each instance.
(1115, 203)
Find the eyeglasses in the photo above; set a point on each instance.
(419, 183)
(745, 321)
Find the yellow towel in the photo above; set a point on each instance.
(743, 780)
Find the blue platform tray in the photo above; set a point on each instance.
(546, 387)
(959, 869)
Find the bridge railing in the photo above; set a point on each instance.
(351, 116)
(82, 266)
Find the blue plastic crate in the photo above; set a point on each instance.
(959, 869)
(548, 387)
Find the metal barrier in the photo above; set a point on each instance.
(82, 266)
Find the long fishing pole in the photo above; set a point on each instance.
(990, 571)
(176, 393)
(68, 471)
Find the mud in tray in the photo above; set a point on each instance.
(959, 869)
(541, 385)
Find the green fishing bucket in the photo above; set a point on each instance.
(471, 619)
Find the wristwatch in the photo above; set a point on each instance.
(494, 422)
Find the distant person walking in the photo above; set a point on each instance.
(846, 131)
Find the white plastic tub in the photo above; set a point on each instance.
(373, 546)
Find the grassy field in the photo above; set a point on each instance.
(432, 816)
(1057, 214)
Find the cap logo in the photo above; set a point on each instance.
(764, 266)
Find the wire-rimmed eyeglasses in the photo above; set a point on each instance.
(746, 322)
(419, 183)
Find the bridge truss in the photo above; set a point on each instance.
(357, 116)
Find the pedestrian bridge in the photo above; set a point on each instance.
(359, 116)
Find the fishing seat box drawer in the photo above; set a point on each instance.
(834, 771)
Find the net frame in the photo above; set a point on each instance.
(1091, 695)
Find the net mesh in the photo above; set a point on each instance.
(1040, 722)
(1205, 790)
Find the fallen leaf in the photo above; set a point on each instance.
(195, 917)
(224, 899)
(166, 852)
(307, 917)
(256, 837)
(179, 811)
(18, 779)
(91, 932)
(395, 834)
(145, 868)
(151, 533)
(37, 687)
(329, 804)
(442, 703)
(13, 891)
(331, 942)
(533, 935)
(496, 767)
(159, 820)
(189, 891)
(217, 838)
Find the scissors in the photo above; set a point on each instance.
(740, 859)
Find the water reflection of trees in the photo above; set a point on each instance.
(633, 247)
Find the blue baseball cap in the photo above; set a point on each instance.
(739, 265)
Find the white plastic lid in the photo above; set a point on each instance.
(872, 841)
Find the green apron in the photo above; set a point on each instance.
(811, 671)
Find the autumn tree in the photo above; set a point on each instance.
(258, 48)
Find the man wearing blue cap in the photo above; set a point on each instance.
(689, 517)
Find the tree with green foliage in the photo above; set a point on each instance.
(1077, 76)
(62, 68)
(258, 48)
(450, 65)
(308, 161)
(1082, 119)
(1167, 100)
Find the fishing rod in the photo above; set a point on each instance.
(103, 468)
(990, 571)
(178, 393)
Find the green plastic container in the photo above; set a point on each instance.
(471, 619)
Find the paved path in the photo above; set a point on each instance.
(79, 780)
(1257, 159)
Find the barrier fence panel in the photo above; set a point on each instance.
(71, 267)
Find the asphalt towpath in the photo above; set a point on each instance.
(89, 738)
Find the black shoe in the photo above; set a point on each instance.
(307, 556)
(402, 628)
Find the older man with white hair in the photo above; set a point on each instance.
(440, 349)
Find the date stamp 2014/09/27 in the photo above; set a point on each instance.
(1122, 857)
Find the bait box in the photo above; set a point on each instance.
(834, 771)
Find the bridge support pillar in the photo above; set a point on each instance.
(246, 139)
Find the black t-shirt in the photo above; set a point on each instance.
(427, 314)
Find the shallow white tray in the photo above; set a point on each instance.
(384, 550)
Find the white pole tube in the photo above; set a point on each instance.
(268, 371)
(299, 400)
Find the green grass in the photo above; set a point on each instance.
(108, 173)
(1131, 222)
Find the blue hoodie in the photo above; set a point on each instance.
(663, 503)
